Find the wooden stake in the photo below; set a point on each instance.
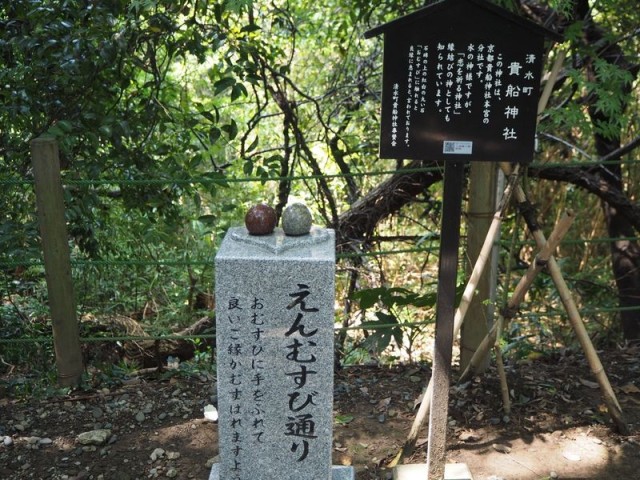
(57, 263)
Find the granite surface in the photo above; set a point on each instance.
(274, 327)
(338, 472)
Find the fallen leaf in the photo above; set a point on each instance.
(572, 456)
(344, 419)
(630, 388)
(421, 441)
(383, 404)
(590, 384)
(469, 437)
(498, 447)
(535, 355)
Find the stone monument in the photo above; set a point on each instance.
(274, 338)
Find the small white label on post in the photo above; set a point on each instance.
(457, 147)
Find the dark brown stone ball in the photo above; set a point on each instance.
(260, 219)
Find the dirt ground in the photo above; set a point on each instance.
(558, 427)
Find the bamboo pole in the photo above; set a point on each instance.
(548, 88)
(504, 386)
(425, 406)
(53, 231)
(485, 252)
(482, 350)
(608, 395)
(541, 261)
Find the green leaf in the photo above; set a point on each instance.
(247, 168)
(223, 84)
(238, 91)
(231, 129)
(367, 297)
(214, 134)
(251, 28)
(253, 145)
(208, 115)
(105, 130)
(208, 219)
(386, 318)
(344, 419)
(390, 297)
(60, 128)
(64, 126)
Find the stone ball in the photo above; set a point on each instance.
(260, 219)
(296, 219)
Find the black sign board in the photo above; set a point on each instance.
(461, 81)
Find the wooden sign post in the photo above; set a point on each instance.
(445, 311)
(460, 83)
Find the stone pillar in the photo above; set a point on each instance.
(274, 341)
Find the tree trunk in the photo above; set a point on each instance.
(625, 258)
(625, 254)
(481, 209)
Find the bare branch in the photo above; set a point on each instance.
(356, 225)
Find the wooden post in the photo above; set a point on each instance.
(482, 204)
(57, 263)
(445, 310)
(425, 406)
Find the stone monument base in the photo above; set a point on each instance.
(339, 472)
(418, 471)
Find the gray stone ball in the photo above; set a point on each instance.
(296, 219)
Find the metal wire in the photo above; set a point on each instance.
(12, 263)
(377, 326)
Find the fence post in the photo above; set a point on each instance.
(57, 262)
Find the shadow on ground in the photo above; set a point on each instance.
(558, 425)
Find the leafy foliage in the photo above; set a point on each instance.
(396, 316)
(146, 96)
